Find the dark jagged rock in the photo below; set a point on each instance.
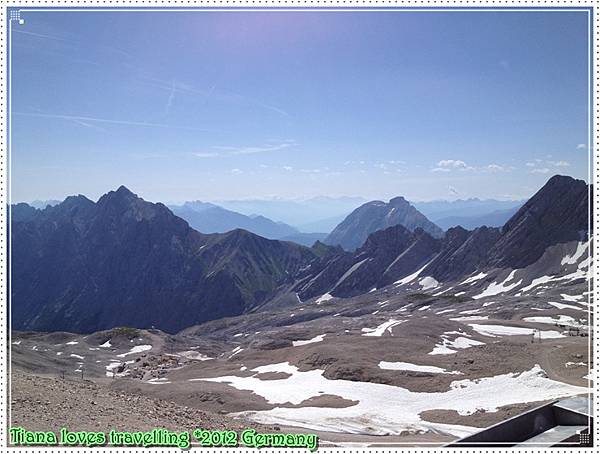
(353, 231)
(386, 255)
(83, 266)
(22, 212)
(557, 213)
(462, 253)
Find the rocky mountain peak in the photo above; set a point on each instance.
(557, 213)
(354, 230)
(399, 201)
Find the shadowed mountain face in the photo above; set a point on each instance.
(209, 218)
(557, 213)
(386, 256)
(353, 231)
(83, 266)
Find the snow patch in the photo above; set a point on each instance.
(571, 298)
(573, 259)
(496, 288)
(473, 278)
(448, 347)
(565, 306)
(470, 318)
(501, 330)
(384, 409)
(191, 354)
(381, 329)
(415, 368)
(413, 276)
(428, 282)
(136, 349)
(315, 339)
(324, 298)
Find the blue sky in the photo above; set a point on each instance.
(224, 105)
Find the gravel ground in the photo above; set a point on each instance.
(49, 403)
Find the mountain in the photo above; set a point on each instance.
(556, 216)
(464, 208)
(83, 266)
(494, 219)
(306, 239)
(387, 255)
(557, 213)
(209, 218)
(22, 211)
(352, 232)
(309, 215)
(323, 225)
(41, 204)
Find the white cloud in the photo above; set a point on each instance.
(559, 163)
(541, 170)
(446, 165)
(581, 146)
(495, 168)
(234, 151)
(530, 164)
(170, 100)
(452, 164)
(236, 171)
(288, 168)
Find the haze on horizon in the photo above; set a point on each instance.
(234, 105)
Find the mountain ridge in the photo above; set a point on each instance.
(84, 266)
(354, 230)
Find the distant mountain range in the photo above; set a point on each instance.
(353, 231)
(494, 219)
(317, 214)
(210, 218)
(84, 266)
(464, 208)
